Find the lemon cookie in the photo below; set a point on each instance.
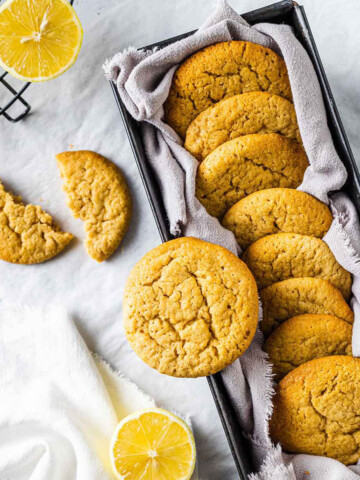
(97, 194)
(220, 71)
(277, 210)
(287, 255)
(256, 112)
(317, 409)
(297, 296)
(27, 233)
(306, 337)
(246, 164)
(190, 308)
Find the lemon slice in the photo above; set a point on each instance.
(153, 444)
(39, 39)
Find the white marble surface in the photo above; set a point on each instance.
(78, 111)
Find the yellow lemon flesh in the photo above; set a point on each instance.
(153, 444)
(39, 39)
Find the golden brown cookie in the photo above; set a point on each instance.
(256, 112)
(317, 409)
(246, 164)
(277, 210)
(297, 296)
(305, 337)
(190, 308)
(98, 194)
(288, 255)
(27, 233)
(220, 71)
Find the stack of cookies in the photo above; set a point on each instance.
(232, 105)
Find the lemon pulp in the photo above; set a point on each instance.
(39, 39)
(153, 444)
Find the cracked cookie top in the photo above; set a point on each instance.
(277, 210)
(305, 337)
(288, 255)
(256, 112)
(220, 71)
(27, 233)
(246, 164)
(317, 409)
(297, 296)
(190, 308)
(98, 194)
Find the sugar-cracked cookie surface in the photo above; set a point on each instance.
(317, 409)
(246, 114)
(245, 165)
(27, 233)
(288, 255)
(98, 194)
(305, 337)
(221, 71)
(190, 308)
(277, 210)
(297, 296)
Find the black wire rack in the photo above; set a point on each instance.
(16, 98)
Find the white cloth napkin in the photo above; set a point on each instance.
(143, 80)
(59, 406)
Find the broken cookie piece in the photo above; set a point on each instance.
(98, 194)
(27, 234)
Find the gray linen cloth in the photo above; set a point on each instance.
(143, 79)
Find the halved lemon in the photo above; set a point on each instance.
(39, 39)
(153, 444)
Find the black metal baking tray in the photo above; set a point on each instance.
(290, 13)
